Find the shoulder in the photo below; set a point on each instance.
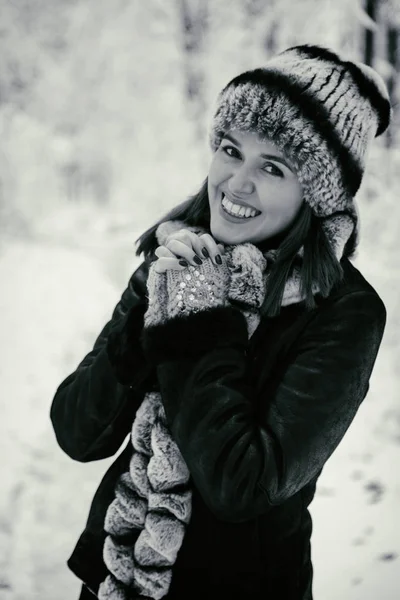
(351, 320)
(354, 290)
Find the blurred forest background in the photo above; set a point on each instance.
(104, 112)
(105, 106)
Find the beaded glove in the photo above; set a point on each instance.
(182, 292)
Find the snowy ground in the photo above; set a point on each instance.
(55, 301)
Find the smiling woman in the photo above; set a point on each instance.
(239, 352)
(251, 174)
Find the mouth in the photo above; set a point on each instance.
(237, 211)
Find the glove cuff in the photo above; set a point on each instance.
(181, 292)
(157, 295)
(197, 288)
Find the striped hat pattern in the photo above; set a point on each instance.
(322, 112)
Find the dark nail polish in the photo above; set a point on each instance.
(205, 252)
(183, 263)
(218, 259)
(197, 260)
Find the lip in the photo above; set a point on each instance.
(231, 218)
(239, 202)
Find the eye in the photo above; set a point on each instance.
(226, 150)
(274, 170)
(269, 168)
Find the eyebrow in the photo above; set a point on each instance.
(269, 156)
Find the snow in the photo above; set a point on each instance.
(96, 145)
(52, 308)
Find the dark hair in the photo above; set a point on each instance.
(319, 264)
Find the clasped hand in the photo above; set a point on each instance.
(185, 247)
(179, 283)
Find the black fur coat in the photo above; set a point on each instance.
(255, 421)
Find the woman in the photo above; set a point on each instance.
(239, 353)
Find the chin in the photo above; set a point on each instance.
(225, 235)
(229, 233)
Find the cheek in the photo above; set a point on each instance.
(281, 198)
(217, 171)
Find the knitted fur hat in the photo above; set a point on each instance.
(321, 111)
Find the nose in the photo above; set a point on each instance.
(240, 182)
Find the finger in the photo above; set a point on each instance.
(164, 263)
(212, 247)
(181, 249)
(162, 251)
(189, 238)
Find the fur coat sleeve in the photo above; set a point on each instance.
(245, 463)
(93, 408)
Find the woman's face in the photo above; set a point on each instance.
(250, 176)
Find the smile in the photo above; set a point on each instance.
(238, 211)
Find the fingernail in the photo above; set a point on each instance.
(183, 263)
(218, 259)
(205, 252)
(197, 260)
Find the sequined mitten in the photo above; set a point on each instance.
(180, 292)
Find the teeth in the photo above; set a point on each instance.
(236, 210)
